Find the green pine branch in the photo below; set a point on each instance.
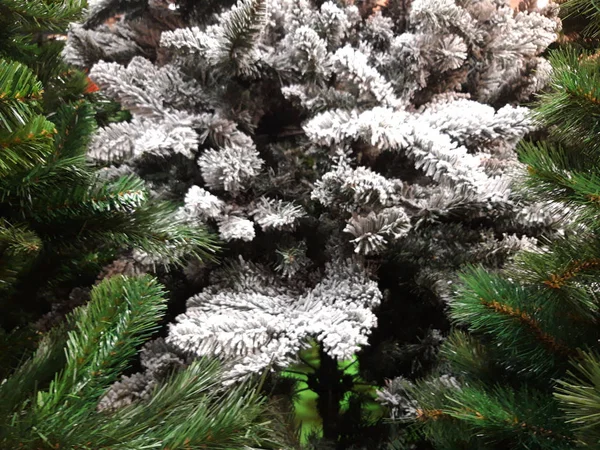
(120, 215)
(120, 316)
(468, 355)
(201, 414)
(584, 9)
(32, 374)
(18, 248)
(565, 176)
(43, 15)
(104, 335)
(484, 417)
(75, 125)
(20, 93)
(21, 189)
(85, 201)
(27, 147)
(519, 319)
(570, 107)
(579, 395)
(50, 400)
(51, 198)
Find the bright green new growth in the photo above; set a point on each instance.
(50, 400)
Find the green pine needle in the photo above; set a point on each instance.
(18, 246)
(585, 8)
(44, 15)
(579, 394)
(20, 93)
(189, 409)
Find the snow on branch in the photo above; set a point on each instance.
(349, 188)
(145, 89)
(230, 45)
(173, 133)
(230, 168)
(277, 214)
(373, 231)
(260, 325)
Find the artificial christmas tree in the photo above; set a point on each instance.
(352, 156)
(527, 374)
(61, 220)
(51, 400)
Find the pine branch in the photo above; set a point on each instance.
(584, 9)
(518, 318)
(526, 417)
(564, 175)
(33, 374)
(122, 313)
(75, 125)
(240, 31)
(154, 230)
(43, 15)
(573, 101)
(189, 409)
(579, 394)
(84, 202)
(20, 93)
(15, 347)
(481, 416)
(151, 227)
(564, 270)
(201, 413)
(468, 355)
(27, 147)
(22, 189)
(18, 248)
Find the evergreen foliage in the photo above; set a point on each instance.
(50, 401)
(60, 219)
(527, 374)
(352, 156)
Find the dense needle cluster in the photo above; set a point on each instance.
(306, 133)
(350, 156)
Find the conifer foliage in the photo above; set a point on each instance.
(351, 155)
(51, 399)
(526, 375)
(61, 220)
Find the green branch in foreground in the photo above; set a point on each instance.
(190, 409)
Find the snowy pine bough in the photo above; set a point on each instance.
(252, 315)
(307, 133)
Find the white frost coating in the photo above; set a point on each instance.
(373, 232)
(368, 122)
(233, 227)
(353, 65)
(229, 168)
(277, 214)
(431, 139)
(171, 134)
(350, 188)
(201, 203)
(258, 326)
